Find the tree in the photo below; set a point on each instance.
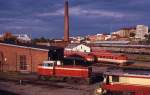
(42, 39)
(147, 37)
(8, 37)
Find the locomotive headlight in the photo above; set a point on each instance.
(89, 59)
(98, 91)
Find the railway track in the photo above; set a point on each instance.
(131, 66)
(51, 84)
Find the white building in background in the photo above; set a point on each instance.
(23, 37)
(78, 47)
(82, 48)
(141, 31)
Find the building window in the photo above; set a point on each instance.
(23, 63)
(115, 78)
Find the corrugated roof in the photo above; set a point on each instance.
(37, 47)
(128, 72)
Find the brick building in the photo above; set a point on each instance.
(97, 37)
(125, 32)
(21, 58)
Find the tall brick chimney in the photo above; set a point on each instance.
(66, 22)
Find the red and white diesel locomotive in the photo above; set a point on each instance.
(57, 69)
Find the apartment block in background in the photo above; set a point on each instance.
(141, 31)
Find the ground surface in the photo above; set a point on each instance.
(55, 89)
(10, 81)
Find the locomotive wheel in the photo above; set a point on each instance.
(41, 77)
(89, 81)
(64, 79)
(84, 81)
(72, 80)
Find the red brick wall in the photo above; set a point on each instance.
(12, 54)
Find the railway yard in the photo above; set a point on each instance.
(29, 83)
(103, 64)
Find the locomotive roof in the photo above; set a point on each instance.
(121, 72)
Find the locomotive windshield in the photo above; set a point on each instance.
(48, 64)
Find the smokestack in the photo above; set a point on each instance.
(66, 22)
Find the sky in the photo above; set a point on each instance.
(45, 18)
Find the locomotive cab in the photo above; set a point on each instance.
(47, 68)
(51, 63)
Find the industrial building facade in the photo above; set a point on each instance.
(21, 58)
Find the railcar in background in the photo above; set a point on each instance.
(84, 55)
(111, 58)
(99, 56)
